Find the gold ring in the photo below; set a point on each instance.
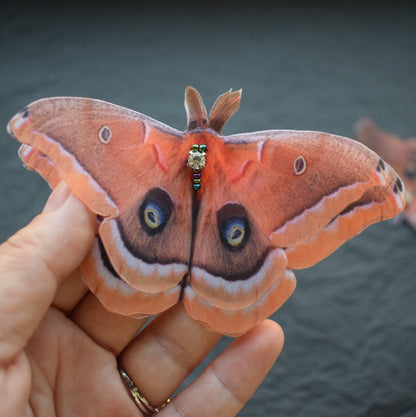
(144, 406)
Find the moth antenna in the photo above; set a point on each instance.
(223, 109)
(195, 109)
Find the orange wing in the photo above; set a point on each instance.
(123, 166)
(276, 200)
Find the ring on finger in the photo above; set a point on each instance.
(142, 403)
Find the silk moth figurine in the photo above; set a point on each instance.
(215, 221)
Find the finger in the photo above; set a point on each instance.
(34, 261)
(15, 385)
(166, 352)
(230, 380)
(71, 289)
(110, 330)
(70, 292)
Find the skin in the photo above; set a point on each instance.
(58, 346)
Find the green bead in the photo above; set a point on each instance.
(202, 148)
(197, 180)
(196, 187)
(195, 147)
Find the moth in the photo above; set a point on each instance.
(217, 222)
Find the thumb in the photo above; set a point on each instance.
(35, 260)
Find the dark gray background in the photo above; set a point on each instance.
(350, 326)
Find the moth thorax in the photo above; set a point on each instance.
(196, 161)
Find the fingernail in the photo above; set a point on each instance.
(57, 198)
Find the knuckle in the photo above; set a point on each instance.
(23, 251)
(228, 389)
(178, 353)
(178, 411)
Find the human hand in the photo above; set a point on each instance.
(59, 347)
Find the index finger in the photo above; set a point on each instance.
(228, 382)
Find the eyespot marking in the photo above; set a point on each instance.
(155, 211)
(233, 226)
(299, 166)
(105, 134)
(151, 216)
(235, 231)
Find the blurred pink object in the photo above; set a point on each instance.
(400, 154)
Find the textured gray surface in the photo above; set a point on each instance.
(350, 326)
